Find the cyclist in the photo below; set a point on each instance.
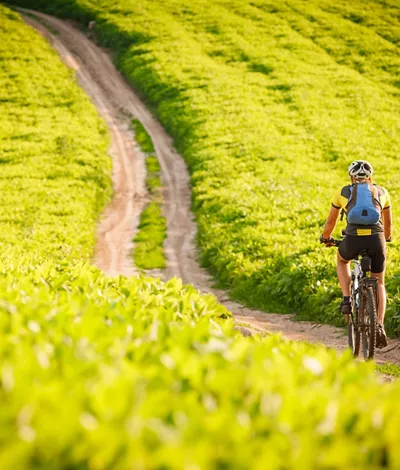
(359, 237)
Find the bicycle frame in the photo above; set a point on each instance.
(362, 320)
(360, 279)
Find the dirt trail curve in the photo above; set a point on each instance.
(117, 102)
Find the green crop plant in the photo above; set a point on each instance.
(153, 181)
(268, 102)
(142, 137)
(389, 368)
(152, 165)
(148, 249)
(144, 374)
(148, 243)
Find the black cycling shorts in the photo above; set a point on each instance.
(352, 245)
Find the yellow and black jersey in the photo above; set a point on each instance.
(341, 199)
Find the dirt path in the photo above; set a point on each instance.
(118, 103)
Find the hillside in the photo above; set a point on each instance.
(268, 102)
(102, 372)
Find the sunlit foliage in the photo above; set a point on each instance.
(268, 102)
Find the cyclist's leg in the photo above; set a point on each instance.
(378, 262)
(381, 338)
(347, 251)
(378, 268)
(344, 275)
(381, 296)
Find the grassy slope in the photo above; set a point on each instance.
(268, 102)
(141, 374)
(53, 153)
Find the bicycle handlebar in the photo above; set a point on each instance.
(336, 243)
(332, 242)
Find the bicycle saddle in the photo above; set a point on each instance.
(365, 260)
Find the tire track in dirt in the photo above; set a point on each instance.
(118, 103)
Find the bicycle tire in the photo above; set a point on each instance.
(354, 338)
(353, 332)
(368, 331)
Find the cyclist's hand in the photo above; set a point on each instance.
(328, 242)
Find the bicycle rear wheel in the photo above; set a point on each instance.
(354, 337)
(369, 322)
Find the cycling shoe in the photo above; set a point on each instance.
(345, 307)
(381, 338)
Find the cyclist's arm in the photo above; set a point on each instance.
(331, 221)
(387, 222)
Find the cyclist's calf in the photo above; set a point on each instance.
(381, 295)
(343, 273)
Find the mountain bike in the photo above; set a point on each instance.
(363, 319)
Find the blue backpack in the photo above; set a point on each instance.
(363, 207)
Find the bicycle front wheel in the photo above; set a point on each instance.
(369, 321)
(353, 331)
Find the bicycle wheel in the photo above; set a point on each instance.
(369, 322)
(354, 337)
(353, 332)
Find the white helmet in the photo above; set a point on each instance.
(360, 169)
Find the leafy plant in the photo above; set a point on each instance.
(142, 137)
(148, 249)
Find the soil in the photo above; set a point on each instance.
(118, 103)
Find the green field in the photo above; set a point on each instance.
(54, 177)
(268, 102)
(114, 373)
